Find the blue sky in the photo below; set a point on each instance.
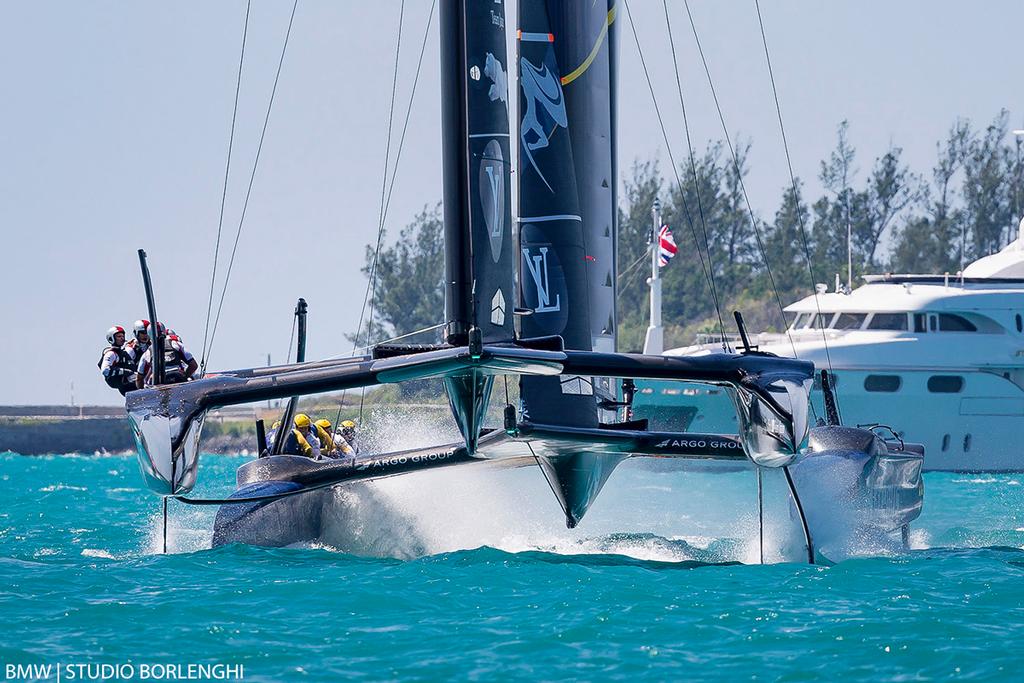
(115, 120)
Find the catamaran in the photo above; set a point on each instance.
(534, 298)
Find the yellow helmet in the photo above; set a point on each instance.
(324, 424)
(348, 424)
(302, 420)
(276, 425)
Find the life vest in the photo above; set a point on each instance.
(304, 447)
(122, 372)
(343, 446)
(137, 348)
(174, 363)
(326, 442)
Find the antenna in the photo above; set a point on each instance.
(300, 357)
(744, 339)
(157, 334)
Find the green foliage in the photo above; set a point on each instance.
(896, 221)
(408, 282)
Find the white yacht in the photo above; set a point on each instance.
(940, 358)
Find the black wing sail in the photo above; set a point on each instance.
(480, 259)
(479, 250)
(567, 225)
(552, 244)
(584, 45)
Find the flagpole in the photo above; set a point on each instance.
(654, 342)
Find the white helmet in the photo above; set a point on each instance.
(112, 331)
(140, 327)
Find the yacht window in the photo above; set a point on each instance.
(799, 321)
(945, 384)
(919, 326)
(955, 323)
(883, 383)
(849, 321)
(945, 443)
(1020, 323)
(888, 321)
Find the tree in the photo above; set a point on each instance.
(932, 243)
(834, 216)
(987, 191)
(409, 287)
(891, 189)
(785, 247)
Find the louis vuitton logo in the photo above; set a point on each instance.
(538, 267)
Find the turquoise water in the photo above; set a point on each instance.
(651, 584)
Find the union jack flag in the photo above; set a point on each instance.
(666, 245)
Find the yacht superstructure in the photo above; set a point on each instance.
(940, 356)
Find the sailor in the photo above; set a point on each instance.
(302, 440)
(137, 346)
(348, 435)
(116, 363)
(179, 364)
(332, 446)
(272, 434)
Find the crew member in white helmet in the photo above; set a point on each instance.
(116, 363)
(179, 364)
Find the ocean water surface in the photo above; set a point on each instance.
(481, 580)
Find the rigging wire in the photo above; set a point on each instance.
(408, 110)
(224, 193)
(675, 170)
(696, 180)
(743, 187)
(383, 197)
(398, 156)
(387, 341)
(640, 259)
(792, 178)
(252, 176)
(291, 340)
(739, 177)
(386, 189)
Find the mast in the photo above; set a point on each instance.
(453, 135)
(654, 342)
(479, 254)
(567, 178)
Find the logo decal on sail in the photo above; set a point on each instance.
(498, 308)
(494, 71)
(544, 110)
(538, 267)
(491, 188)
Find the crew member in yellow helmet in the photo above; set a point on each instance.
(302, 440)
(272, 435)
(348, 434)
(338, 447)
